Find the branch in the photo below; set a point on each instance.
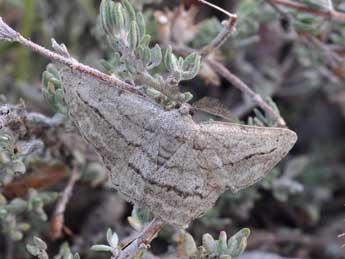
(238, 83)
(333, 58)
(224, 72)
(229, 28)
(57, 221)
(332, 14)
(143, 240)
(8, 34)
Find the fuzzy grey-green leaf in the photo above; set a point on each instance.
(120, 20)
(133, 36)
(170, 60)
(129, 9)
(156, 54)
(141, 25)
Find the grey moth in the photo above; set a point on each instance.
(163, 160)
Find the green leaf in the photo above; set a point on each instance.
(189, 61)
(145, 41)
(170, 60)
(188, 245)
(101, 248)
(156, 56)
(120, 20)
(104, 15)
(33, 250)
(16, 206)
(109, 235)
(129, 9)
(193, 63)
(238, 242)
(133, 36)
(222, 244)
(39, 243)
(141, 25)
(209, 243)
(112, 238)
(153, 92)
(187, 97)
(147, 56)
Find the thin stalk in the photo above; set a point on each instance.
(329, 13)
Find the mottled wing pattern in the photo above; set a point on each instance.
(113, 122)
(176, 188)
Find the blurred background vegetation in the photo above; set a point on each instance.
(294, 59)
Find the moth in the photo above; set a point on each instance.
(163, 160)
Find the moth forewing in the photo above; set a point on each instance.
(247, 152)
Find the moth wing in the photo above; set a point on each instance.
(241, 155)
(114, 122)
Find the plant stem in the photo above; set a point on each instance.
(236, 82)
(229, 28)
(8, 34)
(239, 84)
(57, 221)
(332, 14)
(143, 240)
(224, 72)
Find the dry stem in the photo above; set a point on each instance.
(143, 240)
(8, 34)
(229, 28)
(236, 82)
(332, 14)
(239, 84)
(224, 72)
(57, 221)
